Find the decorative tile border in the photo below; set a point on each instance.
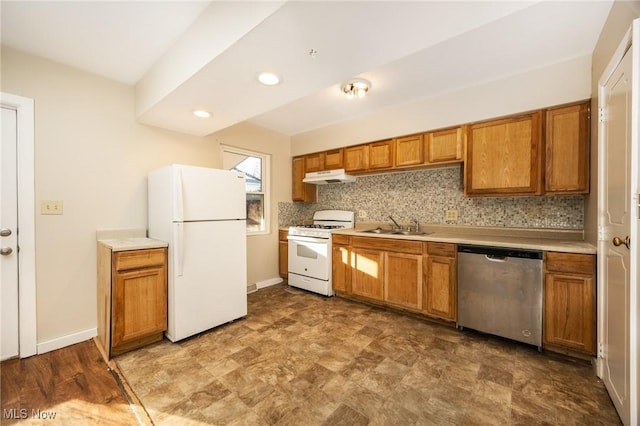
(426, 195)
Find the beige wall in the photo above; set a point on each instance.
(90, 153)
(262, 249)
(618, 23)
(538, 88)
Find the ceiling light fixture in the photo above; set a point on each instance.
(356, 88)
(201, 113)
(268, 78)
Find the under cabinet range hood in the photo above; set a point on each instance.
(328, 176)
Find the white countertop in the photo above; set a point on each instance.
(479, 236)
(133, 243)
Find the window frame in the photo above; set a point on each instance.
(266, 178)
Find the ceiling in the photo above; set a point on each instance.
(186, 55)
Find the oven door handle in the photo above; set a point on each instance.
(302, 239)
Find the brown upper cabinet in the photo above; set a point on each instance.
(381, 155)
(567, 149)
(314, 162)
(356, 158)
(409, 151)
(504, 157)
(334, 159)
(444, 146)
(301, 191)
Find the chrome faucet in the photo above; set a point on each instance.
(417, 225)
(395, 223)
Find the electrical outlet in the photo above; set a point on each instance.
(51, 207)
(362, 214)
(451, 215)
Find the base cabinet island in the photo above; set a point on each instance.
(132, 294)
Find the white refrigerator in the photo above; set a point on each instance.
(201, 213)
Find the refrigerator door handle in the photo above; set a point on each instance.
(178, 252)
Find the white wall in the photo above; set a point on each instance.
(90, 153)
(546, 86)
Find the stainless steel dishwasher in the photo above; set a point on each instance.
(500, 292)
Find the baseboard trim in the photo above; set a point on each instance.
(268, 283)
(68, 340)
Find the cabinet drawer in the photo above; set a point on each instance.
(441, 249)
(340, 239)
(570, 262)
(388, 244)
(282, 235)
(135, 259)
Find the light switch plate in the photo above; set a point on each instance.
(51, 207)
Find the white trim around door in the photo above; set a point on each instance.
(26, 220)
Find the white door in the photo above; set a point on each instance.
(9, 345)
(615, 219)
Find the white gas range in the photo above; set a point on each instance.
(310, 250)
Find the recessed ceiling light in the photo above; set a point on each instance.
(268, 78)
(201, 113)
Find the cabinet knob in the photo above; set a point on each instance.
(6, 251)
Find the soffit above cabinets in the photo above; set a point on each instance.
(210, 54)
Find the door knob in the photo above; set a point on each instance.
(5, 232)
(617, 241)
(6, 251)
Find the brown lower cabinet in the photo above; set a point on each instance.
(132, 298)
(569, 302)
(410, 275)
(283, 253)
(441, 281)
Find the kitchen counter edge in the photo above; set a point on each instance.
(125, 244)
(531, 243)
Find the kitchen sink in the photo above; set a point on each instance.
(394, 232)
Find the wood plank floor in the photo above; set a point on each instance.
(72, 385)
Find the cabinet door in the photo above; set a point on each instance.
(569, 319)
(139, 306)
(356, 158)
(283, 258)
(381, 155)
(333, 159)
(409, 151)
(301, 191)
(567, 150)
(504, 157)
(314, 162)
(403, 279)
(443, 146)
(367, 273)
(440, 284)
(340, 269)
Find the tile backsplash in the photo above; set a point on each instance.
(426, 195)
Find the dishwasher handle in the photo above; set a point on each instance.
(495, 258)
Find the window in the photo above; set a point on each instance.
(255, 167)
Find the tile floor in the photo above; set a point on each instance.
(302, 359)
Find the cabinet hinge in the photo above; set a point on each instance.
(600, 350)
(602, 114)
